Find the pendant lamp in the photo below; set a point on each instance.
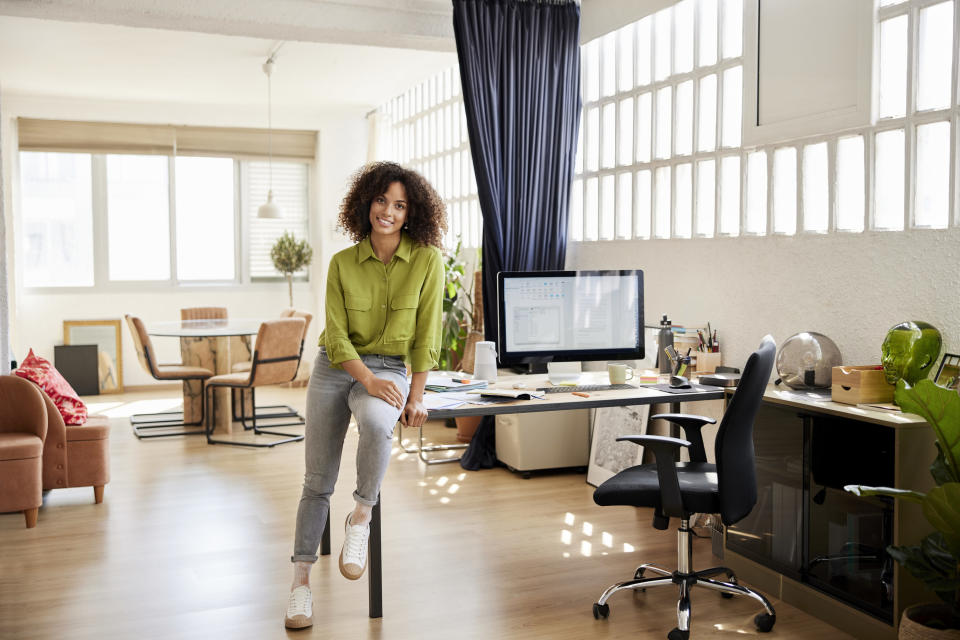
(269, 209)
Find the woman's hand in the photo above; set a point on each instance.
(414, 413)
(385, 390)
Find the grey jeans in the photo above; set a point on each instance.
(333, 395)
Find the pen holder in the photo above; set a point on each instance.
(707, 362)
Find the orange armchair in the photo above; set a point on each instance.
(23, 427)
(76, 455)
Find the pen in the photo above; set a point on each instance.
(580, 393)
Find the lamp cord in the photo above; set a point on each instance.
(270, 130)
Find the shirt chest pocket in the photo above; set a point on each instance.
(403, 318)
(358, 312)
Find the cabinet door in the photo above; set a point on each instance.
(772, 533)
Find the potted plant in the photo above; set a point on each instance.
(936, 560)
(290, 255)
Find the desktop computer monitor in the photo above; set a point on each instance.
(562, 316)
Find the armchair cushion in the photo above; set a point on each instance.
(41, 372)
(19, 446)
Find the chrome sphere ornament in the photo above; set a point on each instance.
(806, 361)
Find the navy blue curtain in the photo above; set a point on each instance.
(520, 73)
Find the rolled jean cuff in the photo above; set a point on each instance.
(359, 498)
(310, 559)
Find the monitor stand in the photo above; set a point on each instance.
(530, 367)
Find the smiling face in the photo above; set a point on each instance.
(388, 211)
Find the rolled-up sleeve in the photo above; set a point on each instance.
(426, 343)
(336, 333)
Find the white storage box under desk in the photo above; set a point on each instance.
(548, 440)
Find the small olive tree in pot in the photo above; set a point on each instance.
(290, 255)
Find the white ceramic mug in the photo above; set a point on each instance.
(619, 373)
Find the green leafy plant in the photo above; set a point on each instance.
(936, 560)
(289, 255)
(457, 310)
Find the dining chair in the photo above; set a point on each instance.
(680, 489)
(274, 411)
(276, 358)
(167, 422)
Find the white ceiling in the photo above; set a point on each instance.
(45, 57)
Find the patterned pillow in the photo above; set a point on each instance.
(41, 372)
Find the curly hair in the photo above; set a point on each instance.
(426, 214)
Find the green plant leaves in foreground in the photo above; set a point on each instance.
(932, 563)
(942, 509)
(940, 407)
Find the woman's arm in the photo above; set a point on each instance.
(414, 413)
(386, 390)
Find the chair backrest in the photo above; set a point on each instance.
(141, 342)
(203, 313)
(277, 356)
(290, 312)
(24, 410)
(736, 469)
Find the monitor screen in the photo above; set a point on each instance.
(570, 315)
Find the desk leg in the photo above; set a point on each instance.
(376, 568)
(325, 539)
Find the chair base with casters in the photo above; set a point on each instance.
(681, 489)
(685, 578)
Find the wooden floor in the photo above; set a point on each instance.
(193, 541)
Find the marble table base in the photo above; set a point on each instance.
(218, 355)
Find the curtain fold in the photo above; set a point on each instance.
(520, 73)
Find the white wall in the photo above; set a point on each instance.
(850, 287)
(599, 17)
(37, 316)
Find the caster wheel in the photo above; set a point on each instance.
(676, 634)
(526, 475)
(731, 580)
(601, 611)
(638, 574)
(764, 622)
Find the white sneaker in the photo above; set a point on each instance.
(353, 555)
(299, 609)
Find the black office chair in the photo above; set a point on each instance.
(681, 489)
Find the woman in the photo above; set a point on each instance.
(383, 309)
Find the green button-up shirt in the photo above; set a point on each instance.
(390, 309)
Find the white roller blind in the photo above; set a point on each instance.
(290, 192)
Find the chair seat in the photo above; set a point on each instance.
(90, 430)
(230, 379)
(179, 371)
(241, 366)
(20, 446)
(639, 487)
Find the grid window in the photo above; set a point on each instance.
(642, 197)
(732, 106)
(706, 197)
(888, 204)
(684, 141)
(607, 212)
(893, 67)
(730, 195)
(708, 32)
(590, 210)
(785, 190)
(683, 217)
(137, 209)
(931, 209)
(755, 221)
(625, 128)
(661, 222)
(624, 205)
(816, 205)
(644, 124)
(850, 183)
(664, 120)
(935, 58)
(707, 119)
(683, 36)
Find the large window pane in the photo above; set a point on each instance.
(607, 203)
(609, 149)
(661, 223)
(644, 51)
(684, 142)
(888, 207)
(591, 66)
(932, 205)
(683, 36)
(664, 121)
(732, 107)
(56, 219)
(138, 218)
(850, 183)
(706, 198)
(707, 119)
(624, 205)
(893, 67)
(756, 218)
(816, 202)
(644, 115)
(608, 44)
(708, 32)
(683, 214)
(205, 218)
(730, 195)
(625, 55)
(661, 39)
(732, 41)
(785, 190)
(625, 135)
(642, 190)
(592, 141)
(576, 210)
(935, 49)
(590, 210)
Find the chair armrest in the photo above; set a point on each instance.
(664, 452)
(691, 426)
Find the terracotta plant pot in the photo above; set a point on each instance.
(913, 627)
(467, 426)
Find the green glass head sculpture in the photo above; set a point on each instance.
(909, 351)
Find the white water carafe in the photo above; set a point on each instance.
(485, 363)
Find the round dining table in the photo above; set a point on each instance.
(215, 344)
